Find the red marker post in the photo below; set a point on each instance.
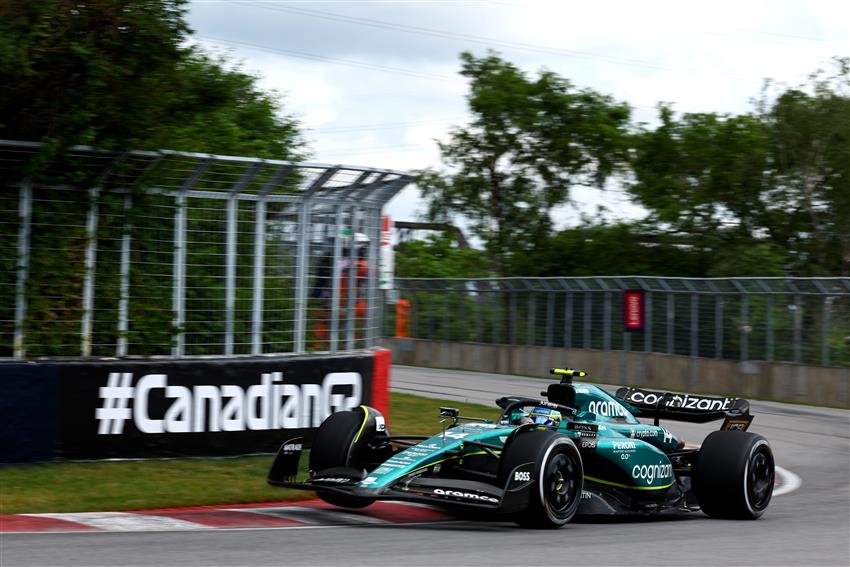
(633, 309)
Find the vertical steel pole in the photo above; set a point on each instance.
(824, 352)
(647, 332)
(124, 293)
(351, 307)
(302, 267)
(372, 308)
(446, 334)
(671, 322)
(568, 320)
(588, 310)
(718, 327)
(230, 273)
(25, 222)
(606, 323)
(89, 274)
(513, 338)
(336, 274)
(798, 329)
(694, 325)
(178, 300)
(769, 335)
(479, 304)
(531, 337)
(744, 328)
(550, 318)
(259, 277)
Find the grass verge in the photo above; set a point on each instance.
(165, 483)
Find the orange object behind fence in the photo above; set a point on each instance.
(402, 319)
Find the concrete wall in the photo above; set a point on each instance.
(753, 379)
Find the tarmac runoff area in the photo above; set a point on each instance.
(807, 523)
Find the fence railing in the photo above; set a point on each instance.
(803, 320)
(175, 254)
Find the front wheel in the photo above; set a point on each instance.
(336, 446)
(733, 475)
(558, 477)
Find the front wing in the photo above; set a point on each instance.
(445, 492)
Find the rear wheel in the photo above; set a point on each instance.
(333, 447)
(733, 475)
(558, 477)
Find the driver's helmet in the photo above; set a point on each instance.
(545, 416)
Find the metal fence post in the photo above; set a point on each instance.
(824, 353)
(230, 272)
(513, 338)
(351, 304)
(336, 275)
(259, 283)
(694, 324)
(479, 313)
(606, 323)
(798, 329)
(588, 310)
(671, 322)
(744, 328)
(124, 290)
(373, 311)
(25, 220)
(446, 334)
(178, 300)
(550, 318)
(568, 319)
(301, 270)
(769, 333)
(531, 337)
(89, 274)
(718, 327)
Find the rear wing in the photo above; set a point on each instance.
(693, 408)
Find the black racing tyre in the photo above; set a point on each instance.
(333, 447)
(733, 475)
(558, 477)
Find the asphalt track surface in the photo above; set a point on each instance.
(809, 526)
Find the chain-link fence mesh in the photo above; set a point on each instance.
(173, 254)
(805, 320)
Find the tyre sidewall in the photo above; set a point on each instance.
(721, 475)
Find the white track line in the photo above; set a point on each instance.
(125, 522)
(790, 482)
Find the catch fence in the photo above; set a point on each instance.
(174, 254)
(802, 320)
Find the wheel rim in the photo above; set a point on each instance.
(560, 483)
(760, 481)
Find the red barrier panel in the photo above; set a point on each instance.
(381, 381)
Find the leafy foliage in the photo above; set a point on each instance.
(117, 75)
(439, 257)
(773, 181)
(529, 142)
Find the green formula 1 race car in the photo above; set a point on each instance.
(578, 451)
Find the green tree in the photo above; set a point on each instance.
(117, 74)
(762, 192)
(530, 141)
(599, 248)
(810, 180)
(439, 257)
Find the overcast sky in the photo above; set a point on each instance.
(376, 82)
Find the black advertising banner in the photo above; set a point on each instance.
(142, 409)
(28, 409)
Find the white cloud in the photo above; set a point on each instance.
(701, 56)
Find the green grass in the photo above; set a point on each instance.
(165, 483)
